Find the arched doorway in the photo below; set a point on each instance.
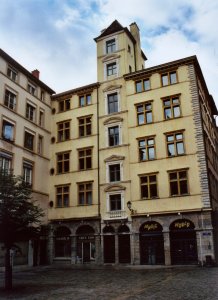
(124, 244)
(183, 244)
(85, 244)
(151, 243)
(62, 242)
(109, 244)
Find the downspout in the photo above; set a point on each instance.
(99, 202)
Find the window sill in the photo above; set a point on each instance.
(175, 196)
(173, 156)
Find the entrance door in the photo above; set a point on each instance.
(109, 249)
(183, 244)
(124, 248)
(86, 252)
(152, 249)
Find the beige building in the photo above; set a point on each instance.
(133, 174)
(25, 131)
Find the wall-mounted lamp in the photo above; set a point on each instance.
(129, 205)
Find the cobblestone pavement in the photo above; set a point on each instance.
(108, 283)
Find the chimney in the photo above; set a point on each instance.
(36, 73)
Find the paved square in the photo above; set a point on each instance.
(106, 283)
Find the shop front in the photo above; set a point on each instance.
(85, 244)
(151, 243)
(183, 244)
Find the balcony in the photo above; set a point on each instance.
(115, 214)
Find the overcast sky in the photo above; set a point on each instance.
(56, 36)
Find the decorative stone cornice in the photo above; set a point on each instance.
(114, 187)
(112, 87)
(113, 120)
(114, 158)
(110, 57)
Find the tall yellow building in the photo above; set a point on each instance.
(133, 174)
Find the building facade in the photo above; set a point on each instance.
(25, 130)
(132, 162)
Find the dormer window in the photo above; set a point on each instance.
(110, 46)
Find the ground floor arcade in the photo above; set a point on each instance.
(147, 240)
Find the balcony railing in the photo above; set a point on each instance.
(116, 214)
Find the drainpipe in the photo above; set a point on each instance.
(99, 203)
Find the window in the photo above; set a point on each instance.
(64, 105)
(28, 140)
(175, 144)
(114, 172)
(63, 162)
(42, 97)
(10, 99)
(148, 186)
(31, 89)
(113, 136)
(85, 193)
(110, 46)
(41, 118)
(62, 196)
(111, 69)
(30, 112)
(40, 145)
(115, 202)
(5, 162)
(63, 131)
(84, 100)
(112, 103)
(146, 148)
(12, 73)
(85, 126)
(178, 183)
(168, 78)
(8, 131)
(142, 85)
(85, 159)
(171, 107)
(144, 113)
(28, 172)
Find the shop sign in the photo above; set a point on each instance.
(151, 226)
(63, 238)
(86, 237)
(183, 224)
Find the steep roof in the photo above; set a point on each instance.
(113, 28)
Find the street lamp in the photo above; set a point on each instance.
(129, 205)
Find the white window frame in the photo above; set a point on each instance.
(32, 89)
(106, 94)
(13, 131)
(34, 139)
(108, 194)
(29, 166)
(105, 44)
(108, 164)
(34, 111)
(106, 77)
(14, 98)
(119, 124)
(12, 73)
(6, 157)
